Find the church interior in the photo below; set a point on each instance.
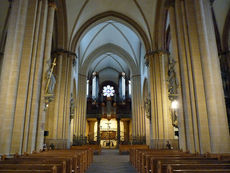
(107, 73)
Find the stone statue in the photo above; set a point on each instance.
(172, 79)
(147, 105)
(72, 108)
(52, 82)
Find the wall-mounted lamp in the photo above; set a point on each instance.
(174, 104)
(174, 108)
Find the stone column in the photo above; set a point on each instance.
(3, 35)
(31, 32)
(53, 117)
(126, 131)
(160, 116)
(46, 65)
(91, 130)
(201, 86)
(118, 131)
(137, 114)
(216, 108)
(10, 72)
(35, 83)
(59, 117)
(81, 105)
(174, 54)
(98, 131)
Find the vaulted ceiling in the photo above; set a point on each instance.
(110, 31)
(109, 64)
(113, 31)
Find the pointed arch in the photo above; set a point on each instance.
(113, 49)
(110, 15)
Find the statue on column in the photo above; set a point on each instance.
(147, 105)
(50, 76)
(50, 84)
(72, 107)
(172, 80)
(173, 84)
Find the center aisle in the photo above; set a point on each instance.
(111, 162)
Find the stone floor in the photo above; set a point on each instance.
(111, 162)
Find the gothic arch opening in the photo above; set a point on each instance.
(110, 52)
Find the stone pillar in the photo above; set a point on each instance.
(203, 120)
(10, 71)
(46, 65)
(98, 131)
(118, 131)
(162, 128)
(52, 118)
(137, 111)
(35, 83)
(59, 118)
(174, 54)
(126, 131)
(91, 131)
(3, 35)
(216, 108)
(81, 106)
(31, 32)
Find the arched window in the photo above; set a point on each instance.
(130, 92)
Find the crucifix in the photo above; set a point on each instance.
(108, 132)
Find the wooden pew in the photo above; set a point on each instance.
(77, 161)
(79, 158)
(127, 148)
(64, 161)
(27, 171)
(30, 169)
(152, 166)
(198, 168)
(143, 157)
(68, 161)
(95, 148)
(82, 160)
(161, 165)
(150, 161)
(136, 154)
(144, 163)
(59, 163)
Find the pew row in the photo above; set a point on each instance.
(150, 161)
(127, 148)
(95, 148)
(54, 161)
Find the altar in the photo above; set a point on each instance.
(108, 139)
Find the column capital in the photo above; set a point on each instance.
(150, 54)
(82, 75)
(170, 3)
(52, 4)
(211, 2)
(63, 51)
(135, 75)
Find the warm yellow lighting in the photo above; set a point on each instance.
(174, 104)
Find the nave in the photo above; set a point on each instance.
(111, 162)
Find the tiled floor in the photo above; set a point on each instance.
(111, 162)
